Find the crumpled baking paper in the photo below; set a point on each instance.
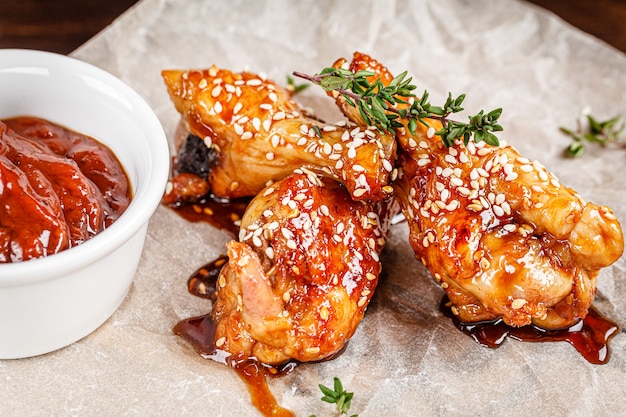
(406, 359)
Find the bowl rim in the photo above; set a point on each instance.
(144, 203)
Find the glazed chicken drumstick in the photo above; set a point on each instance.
(254, 133)
(502, 235)
(299, 279)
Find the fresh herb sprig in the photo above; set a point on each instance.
(602, 132)
(339, 396)
(295, 88)
(383, 106)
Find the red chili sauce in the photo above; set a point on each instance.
(58, 188)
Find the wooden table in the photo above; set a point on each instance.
(62, 26)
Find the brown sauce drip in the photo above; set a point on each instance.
(221, 214)
(590, 336)
(200, 333)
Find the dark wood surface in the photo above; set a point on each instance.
(62, 26)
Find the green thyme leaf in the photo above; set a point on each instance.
(295, 88)
(377, 103)
(606, 132)
(338, 396)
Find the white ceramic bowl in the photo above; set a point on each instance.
(51, 302)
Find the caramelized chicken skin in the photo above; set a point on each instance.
(503, 236)
(256, 133)
(301, 276)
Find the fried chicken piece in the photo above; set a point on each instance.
(256, 133)
(301, 276)
(503, 236)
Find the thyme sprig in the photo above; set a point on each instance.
(295, 88)
(339, 396)
(384, 106)
(595, 131)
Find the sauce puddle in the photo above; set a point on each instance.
(590, 336)
(200, 333)
(224, 215)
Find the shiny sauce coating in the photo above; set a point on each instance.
(58, 188)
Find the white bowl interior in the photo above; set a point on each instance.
(48, 303)
(86, 99)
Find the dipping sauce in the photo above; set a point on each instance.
(58, 188)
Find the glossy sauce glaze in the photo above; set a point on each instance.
(58, 188)
(589, 336)
(200, 333)
(224, 215)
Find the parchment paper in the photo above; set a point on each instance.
(406, 359)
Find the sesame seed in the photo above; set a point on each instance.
(456, 181)
(243, 261)
(430, 132)
(451, 159)
(453, 205)
(447, 172)
(445, 194)
(464, 191)
(246, 136)
(510, 227)
(217, 107)
(518, 303)
(220, 342)
(484, 263)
